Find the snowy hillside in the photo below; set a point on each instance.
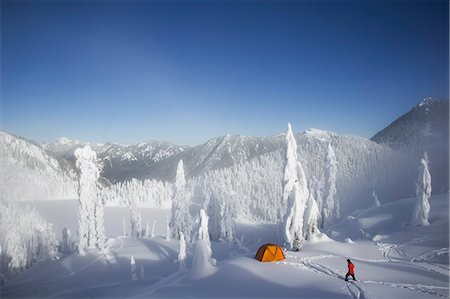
(392, 260)
(424, 128)
(29, 172)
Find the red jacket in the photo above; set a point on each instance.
(351, 268)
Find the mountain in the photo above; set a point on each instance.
(30, 172)
(122, 162)
(425, 128)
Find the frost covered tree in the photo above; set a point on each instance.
(330, 209)
(153, 229)
(181, 220)
(133, 268)
(295, 193)
(202, 261)
(312, 217)
(147, 229)
(221, 220)
(67, 245)
(182, 252)
(25, 238)
(124, 227)
(376, 202)
(135, 220)
(90, 215)
(423, 193)
(168, 229)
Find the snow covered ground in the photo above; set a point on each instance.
(392, 258)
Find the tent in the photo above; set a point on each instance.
(270, 253)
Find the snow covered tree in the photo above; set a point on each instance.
(376, 202)
(330, 210)
(312, 217)
(295, 193)
(221, 220)
(99, 224)
(182, 252)
(153, 229)
(67, 245)
(202, 261)
(135, 220)
(168, 233)
(181, 220)
(90, 215)
(133, 268)
(423, 194)
(124, 227)
(147, 229)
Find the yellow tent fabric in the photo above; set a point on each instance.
(270, 253)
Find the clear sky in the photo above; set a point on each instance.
(184, 71)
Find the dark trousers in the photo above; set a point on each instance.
(349, 274)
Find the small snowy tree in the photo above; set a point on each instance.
(182, 252)
(376, 202)
(133, 268)
(329, 207)
(295, 193)
(153, 229)
(67, 245)
(90, 216)
(202, 262)
(167, 229)
(181, 220)
(221, 220)
(423, 193)
(147, 229)
(312, 217)
(124, 227)
(135, 220)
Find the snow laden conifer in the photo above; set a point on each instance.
(147, 229)
(181, 220)
(153, 229)
(124, 227)
(90, 215)
(423, 193)
(295, 193)
(221, 218)
(133, 268)
(182, 253)
(330, 208)
(202, 261)
(135, 220)
(168, 233)
(376, 202)
(312, 218)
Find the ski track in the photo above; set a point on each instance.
(353, 288)
(419, 261)
(416, 287)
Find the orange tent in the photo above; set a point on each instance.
(270, 253)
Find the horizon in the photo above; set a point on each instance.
(69, 138)
(187, 72)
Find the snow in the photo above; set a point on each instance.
(408, 261)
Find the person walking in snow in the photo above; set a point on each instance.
(351, 270)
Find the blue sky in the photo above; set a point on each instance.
(184, 71)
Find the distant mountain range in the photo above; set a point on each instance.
(424, 128)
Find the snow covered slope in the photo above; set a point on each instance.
(424, 128)
(395, 261)
(29, 172)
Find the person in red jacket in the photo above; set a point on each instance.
(351, 270)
